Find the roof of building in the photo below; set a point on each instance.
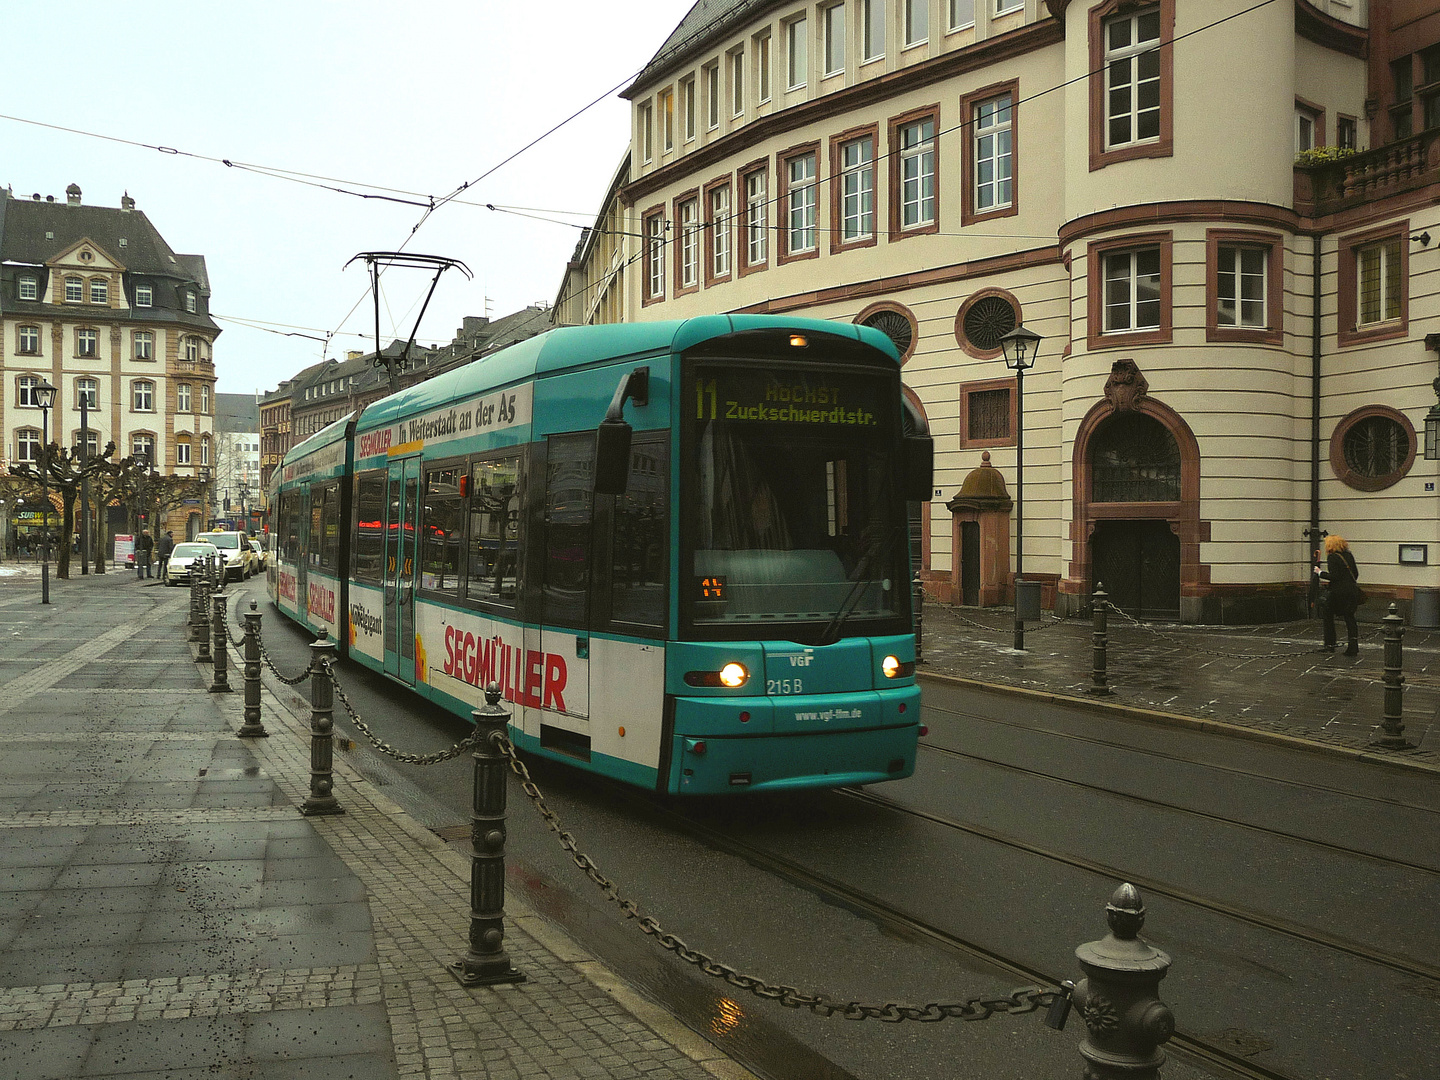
(702, 25)
(237, 413)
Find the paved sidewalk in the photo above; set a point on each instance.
(166, 912)
(1255, 681)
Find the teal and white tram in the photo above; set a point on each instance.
(678, 547)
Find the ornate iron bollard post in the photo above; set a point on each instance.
(204, 629)
(487, 963)
(321, 799)
(196, 621)
(252, 728)
(220, 624)
(1100, 608)
(1125, 1019)
(1393, 725)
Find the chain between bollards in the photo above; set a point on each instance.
(1392, 724)
(321, 799)
(1100, 606)
(487, 963)
(252, 728)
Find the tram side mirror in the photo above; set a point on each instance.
(918, 457)
(612, 457)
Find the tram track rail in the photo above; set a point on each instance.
(1197, 1048)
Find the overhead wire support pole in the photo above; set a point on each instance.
(375, 260)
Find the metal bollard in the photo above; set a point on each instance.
(204, 656)
(321, 799)
(487, 963)
(1393, 725)
(1125, 1019)
(1100, 607)
(221, 625)
(196, 627)
(252, 728)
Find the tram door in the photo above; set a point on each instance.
(401, 534)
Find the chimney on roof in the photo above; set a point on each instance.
(72, 195)
(353, 354)
(126, 202)
(471, 324)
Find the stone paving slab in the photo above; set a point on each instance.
(1258, 681)
(187, 922)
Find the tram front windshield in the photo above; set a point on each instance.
(791, 520)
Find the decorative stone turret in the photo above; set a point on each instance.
(980, 537)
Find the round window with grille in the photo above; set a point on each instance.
(895, 323)
(1372, 448)
(983, 320)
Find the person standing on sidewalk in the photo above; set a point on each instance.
(163, 549)
(144, 547)
(1343, 593)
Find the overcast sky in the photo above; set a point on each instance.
(418, 96)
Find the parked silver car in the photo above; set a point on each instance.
(260, 556)
(183, 559)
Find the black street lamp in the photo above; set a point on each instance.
(1020, 347)
(44, 397)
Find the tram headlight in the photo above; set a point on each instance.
(894, 669)
(732, 675)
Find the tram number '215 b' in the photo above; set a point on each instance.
(783, 686)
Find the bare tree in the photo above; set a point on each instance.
(63, 470)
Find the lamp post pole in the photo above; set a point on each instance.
(84, 482)
(45, 397)
(1020, 347)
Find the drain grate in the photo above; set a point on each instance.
(453, 832)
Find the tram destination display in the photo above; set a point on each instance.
(803, 398)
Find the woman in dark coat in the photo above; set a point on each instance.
(1344, 593)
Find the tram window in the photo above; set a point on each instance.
(641, 537)
(325, 526)
(289, 526)
(569, 497)
(369, 544)
(442, 527)
(496, 522)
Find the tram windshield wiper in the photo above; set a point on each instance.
(876, 555)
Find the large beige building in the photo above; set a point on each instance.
(93, 301)
(1235, 327)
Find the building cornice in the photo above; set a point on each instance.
(1017, 42)
(938, 275)
(1315, 25)
(1178, 211)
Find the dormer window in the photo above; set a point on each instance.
(74, 290)
(29, 288)
(190, 302)
(143, 296)
(99, 291)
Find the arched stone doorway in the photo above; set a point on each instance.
(1136, 526)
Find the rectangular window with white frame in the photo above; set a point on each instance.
(645, 121)
(834, 19)
(687, 262)
(762, 69)
(797, 54)
(690, 108)
(87, 390)
(182, 397)
(1132, 290)
(99, 291)
(718, 222)
(205, 400)
(28, 340)
(856, 165)
(1241, 287)
(872, 31)
(192, 350)
(917, 22)
(1132, 78)
(654, 230)
(962, 14)
(142, 396)
(144, 344)
(757, 218)
(737, 83)
(142, 445)
(182, 451)
(993, 154)
(800, 201)
(28, 288)
(144, 296)
(190, 302)
(27, 446)
(87, 343)
(712, 96)
(74, 290)
(914, 203)
(1006, 7)
(1379, 282)
(25, 387)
